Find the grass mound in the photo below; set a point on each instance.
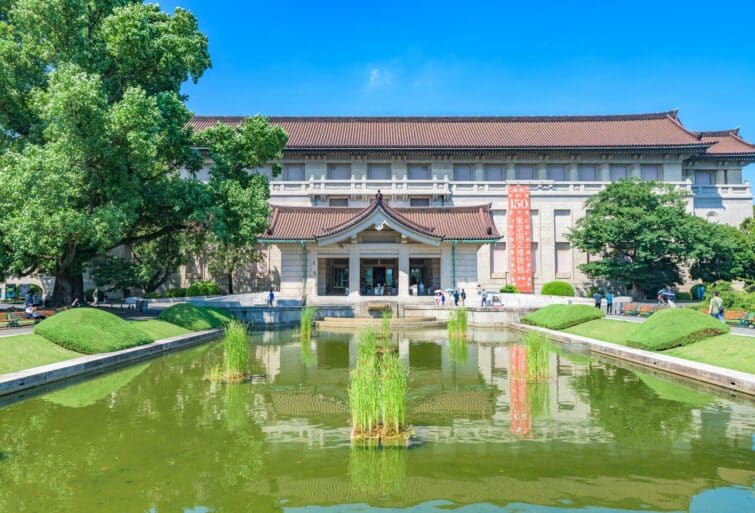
(674, 327)
(558, 317)
(557, 288)
(195, 318)
(90, 331)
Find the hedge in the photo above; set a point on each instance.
(195, 318)
(674, 327)
(509, 289)
(559, 317)
(90, 331)
(557, 288)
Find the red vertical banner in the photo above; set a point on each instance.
(520, 238)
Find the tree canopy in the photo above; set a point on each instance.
(645, 238)
(96, 148)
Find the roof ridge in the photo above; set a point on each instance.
(345, 119)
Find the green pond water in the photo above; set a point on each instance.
(595, 437)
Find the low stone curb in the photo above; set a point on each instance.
(725, 378)
(91, 364)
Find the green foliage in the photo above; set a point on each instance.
(378, 473)
(557, 288)
(684, 296)
(509, 289)
(90, 331)
(158, 329)
(458, 321)
(733, 299)
(235, 351)
(697, 291)
(306, 322)
(195, 318)
(377, 390)
(95, 136)
(558, 317)
(168, 293)
(538, 362)
(203, 288)
(385, 326)
(719, 252)
(673, 327)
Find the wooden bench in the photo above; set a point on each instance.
(629, 309)
(739, 317)
(16, 319)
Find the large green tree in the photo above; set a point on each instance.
(95, 143)
(640, 230)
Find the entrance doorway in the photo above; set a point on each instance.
(379, 276)
(424, 276)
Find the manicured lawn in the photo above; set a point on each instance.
(158, 329)
(558, 317)
(605, 329)
(731, 351)
(26, 351)
(195, 318)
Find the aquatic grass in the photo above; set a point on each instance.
(367, 347)
(538, 396)
(363, 398)
(458, 349)
(306, 321)
(235, 352)
(538, 361)
(235, 406)
(308, 357)
(392, 394)
(385, 327)
(458, 321)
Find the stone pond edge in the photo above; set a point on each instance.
(726, 378)
(92, 364)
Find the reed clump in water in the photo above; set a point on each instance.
(458, 321)
(458, 349)
(377, 472)
(306, 321)
(377, 395)
(235, 366)
(538, 361)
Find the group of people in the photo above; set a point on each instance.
(456, 296)
(598, 297)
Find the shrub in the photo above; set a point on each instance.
(509, 289)
(203, 288)
(673, 327)
(221, 314)
(557, 288)
(558, 317)
(192, 317)
(733, 299)
(90, 331)
(684, 296)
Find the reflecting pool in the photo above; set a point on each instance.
(591, 436)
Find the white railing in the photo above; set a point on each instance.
(436, 186)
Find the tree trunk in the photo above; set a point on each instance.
(68, 285)
(230, 282)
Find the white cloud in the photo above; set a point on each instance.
(379, 78)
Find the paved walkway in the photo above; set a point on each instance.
(747, 332)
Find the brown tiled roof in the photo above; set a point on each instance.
(446, 223)
(727, 142)
(656, 130)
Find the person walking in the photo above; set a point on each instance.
(483, 298)
(597, 297)
(270, 298)
(96, 297)
(442, 300)
(463, 298)
(609, 303)
(456, 297)
(716, 308)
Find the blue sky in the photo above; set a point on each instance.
(480, 58)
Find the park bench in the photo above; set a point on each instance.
(629, 309)
(647, 310)
(16, 319)
(738, 317)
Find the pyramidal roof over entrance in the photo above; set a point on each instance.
(652, 130)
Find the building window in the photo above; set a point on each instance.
(703, 177)
(339, 171)
(463, 172)
(618, 173)
(563, 259)
(498, 258)
(534, 258)
(562, 219)
(525, 172)
(419, 202)
(588, 173)
(338, 202)
(293, 172)
(379, 172)
(649, 172)
(494, 173)
(556, 173)
(418, 171)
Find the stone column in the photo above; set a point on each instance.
(403, 270)
(354, 269)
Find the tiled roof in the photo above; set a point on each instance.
(727, 142)
(656, 130)
(447, 223)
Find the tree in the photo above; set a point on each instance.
(641, 232)
(94, 138)
(718, 252)
(225, 260)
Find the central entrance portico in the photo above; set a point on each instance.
(378, 250)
